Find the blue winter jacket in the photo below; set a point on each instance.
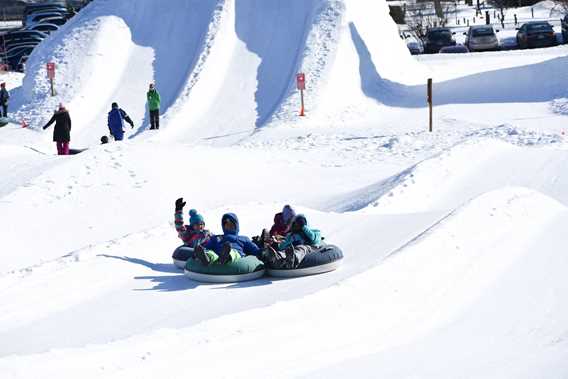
(306, 236)
(116, 123)
(243, 245)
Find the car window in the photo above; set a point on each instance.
(539, 27)
(440, 35)
(481, 32)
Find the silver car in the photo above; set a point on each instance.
(481, 38)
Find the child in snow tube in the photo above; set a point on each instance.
(290, 251)
(193, 234)
(228, 247)
(281, 226)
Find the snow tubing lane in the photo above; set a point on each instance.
(326, 258)
(246, 268)
(181, 255)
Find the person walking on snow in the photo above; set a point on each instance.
(4, 96)
(62, 129)
(115, 123)
(154, 107)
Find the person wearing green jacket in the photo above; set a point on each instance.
(154, 107)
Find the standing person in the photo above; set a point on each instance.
(4, 96)
(154, 107)
(62, 129)
(115, 124)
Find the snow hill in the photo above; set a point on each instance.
(454, 240)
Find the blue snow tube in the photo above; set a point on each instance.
(326, 258)
(245, 268)
(181, 255)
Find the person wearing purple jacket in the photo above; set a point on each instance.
(229, 246)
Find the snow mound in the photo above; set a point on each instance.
(434, 283)
(466, 171)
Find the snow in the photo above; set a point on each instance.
(454, 240)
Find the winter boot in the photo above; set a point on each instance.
(225, 254)
(290, 257)
(201, 256)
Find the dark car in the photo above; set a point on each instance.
(23, 34)
(13, 60)
(455, 49)
(44, 27)
(436, 38)
(35, 8)
(53, 20)
(564, 23)
(535, 34)
(35, 18)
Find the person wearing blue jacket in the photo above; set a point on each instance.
(299, 241)
(115, 123)
(227, 247)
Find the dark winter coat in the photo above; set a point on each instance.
(4, 96)
(62, 129)
(243, 245)
(279, 228)
(115, 123)
(305, 236)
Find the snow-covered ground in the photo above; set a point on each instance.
(454, 240)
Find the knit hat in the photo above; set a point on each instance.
(2, 84)
(114, 105)
(195, 218)
(288, 213)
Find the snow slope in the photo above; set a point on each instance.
(454, 240)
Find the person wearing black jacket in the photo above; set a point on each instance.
(62, 129)
(4, 96)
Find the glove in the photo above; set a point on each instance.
(180, 204)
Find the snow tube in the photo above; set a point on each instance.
(181, 255)
(4, 121)
(246, 268)
(326, 258)
(76, 151)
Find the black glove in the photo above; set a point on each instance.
(45, 127)
(180, 204)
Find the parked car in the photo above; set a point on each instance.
(35, 18)
(415, 47)
(44, 27)
(481, 38)
(23, 35)
(53, 20)
(455, 49)
(535, 34)
(436, 38)
(13, 60)
(564, 23)
(35, 8)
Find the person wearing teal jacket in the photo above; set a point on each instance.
(154, 106)
(299, 241)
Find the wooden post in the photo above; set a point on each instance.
(302, 100)
(430, 103)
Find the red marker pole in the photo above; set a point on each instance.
(301, 85)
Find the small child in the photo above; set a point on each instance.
(229, 246)
(193, 234)
(299, 241)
